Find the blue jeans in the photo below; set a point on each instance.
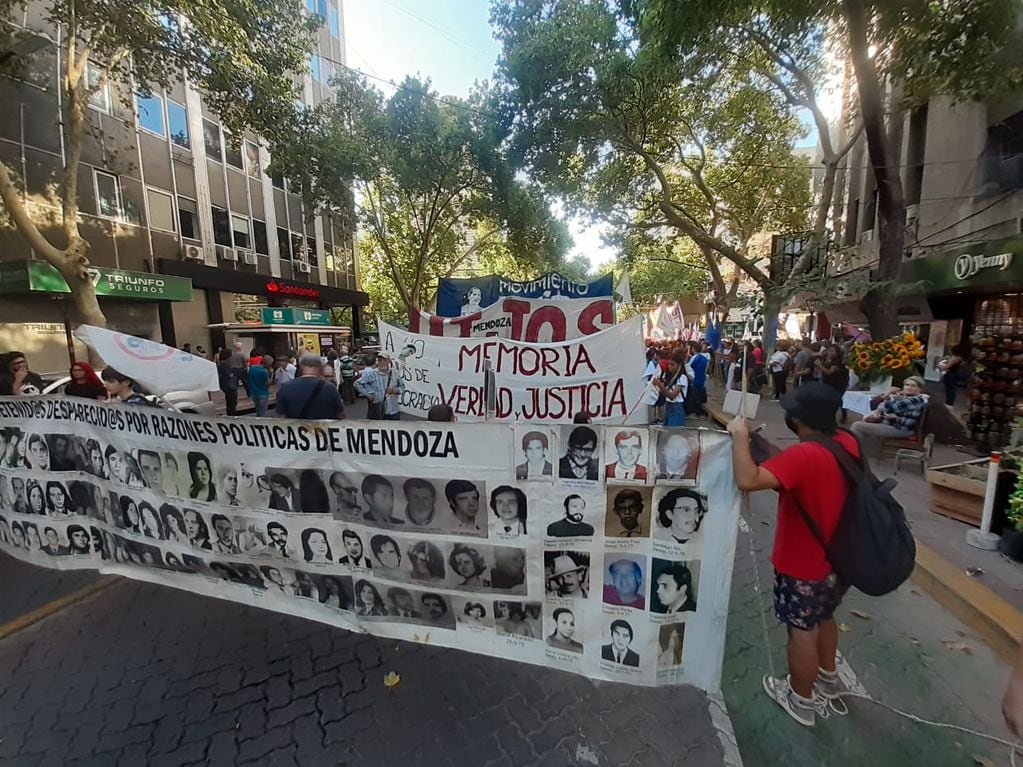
(261, 403)
(392, 416)
(674, 414)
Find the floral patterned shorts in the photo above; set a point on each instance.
(803, 604)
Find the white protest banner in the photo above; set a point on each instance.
(536, 320)
(158, 368)
(506, 380)
(509, 540)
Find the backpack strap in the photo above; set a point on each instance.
(312, 398)
(853, 468)
(811, 524)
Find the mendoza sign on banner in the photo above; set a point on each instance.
(505, 380)
(460, 297)
(602, 551)
(536, 320)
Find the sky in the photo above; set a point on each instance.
(450, 42)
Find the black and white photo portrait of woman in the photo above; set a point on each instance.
(149, 521)
(386, 553)
(37, 453)
(130, 514)
(367, 600)
(58, 502)
(173, 524)
(468, 566)
(316, 547)
(202, 487)
(276, 581)
(427, 562)
(32, 540)
(96, 465)
(332, 593)
(306, 586)
(36, 498)
(197, 530)
(560, 637)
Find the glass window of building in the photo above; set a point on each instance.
(298, 247)
(241, 230)
(259, 241)
(322, 9)
(221, 226)
(211, 140)
(108, 195)
(278, 179)
(335, 22)
(252, 164)
(233, 154)
(313, 257)
(284, 243)
(150, 113)
(161, 210)
(314, 66)
(188, 218)
(310, 6)
(177, 121)
(101, 98)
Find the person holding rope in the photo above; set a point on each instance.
(810, 484)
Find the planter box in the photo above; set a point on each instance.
(957, 492)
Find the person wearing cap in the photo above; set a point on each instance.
(381, 386)
(897, 416)
(807, 591)
(567, 579)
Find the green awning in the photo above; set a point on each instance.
(41, 277)
(991, 264)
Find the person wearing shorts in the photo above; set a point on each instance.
(807, 592)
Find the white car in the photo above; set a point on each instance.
(198, 401)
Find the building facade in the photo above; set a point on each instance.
(163, 190)
(962, 270)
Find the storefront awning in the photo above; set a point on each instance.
(27, 277)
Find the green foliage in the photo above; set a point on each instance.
(668, 145)
(434, 192)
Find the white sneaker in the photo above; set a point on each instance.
(781, 692)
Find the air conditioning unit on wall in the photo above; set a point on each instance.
(249, 257)
(302, 266)
(194, 252)
(226, 254)
(867, 236)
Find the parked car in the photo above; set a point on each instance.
(197, 401)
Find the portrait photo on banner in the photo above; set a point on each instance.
(534, 448)
(519, 619)
(579, 461)
(567, 574)
(626, 455)
(563, 628)
(676, 456)
(624, 580)
(627, 511)
(678, 517)
(623, 641)
(673, 587)
(473, 613)
(575, 514)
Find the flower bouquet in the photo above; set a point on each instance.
(879, 361)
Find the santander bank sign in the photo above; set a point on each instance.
(276, 287)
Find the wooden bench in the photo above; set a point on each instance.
(715, 413)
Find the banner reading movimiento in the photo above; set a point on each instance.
(460, 297)
(602, 551)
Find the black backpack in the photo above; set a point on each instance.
(872, 547)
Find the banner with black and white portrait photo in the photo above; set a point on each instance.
(602, 550)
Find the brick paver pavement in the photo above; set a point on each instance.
(142, 674)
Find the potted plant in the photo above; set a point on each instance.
(1011, 543)
(877, 362)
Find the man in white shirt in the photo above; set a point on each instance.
(778, 364)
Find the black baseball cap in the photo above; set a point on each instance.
(814, 404)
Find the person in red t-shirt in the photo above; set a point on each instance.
(806, 591)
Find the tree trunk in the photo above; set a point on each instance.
(877, 304)
(772, 308)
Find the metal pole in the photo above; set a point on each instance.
(984, 538)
